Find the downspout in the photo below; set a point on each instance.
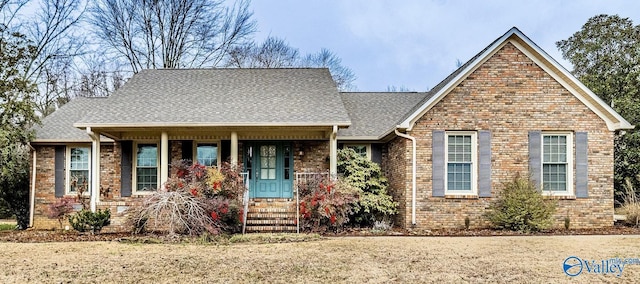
(32, 194)
(413, 175)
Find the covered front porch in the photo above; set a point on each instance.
(271, 158)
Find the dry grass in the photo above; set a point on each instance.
(533, 259)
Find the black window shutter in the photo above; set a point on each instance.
(376, 153)
(535, 158)
(187, 150)
(438, 171)
(484, 170)
(225, 150)
(582, 173)
(59, 170)
(126, 163)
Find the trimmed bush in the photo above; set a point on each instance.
(85, 220)
(521, 207)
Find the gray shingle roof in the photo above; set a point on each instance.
(58, 126)
(299, 96)
(373, 114)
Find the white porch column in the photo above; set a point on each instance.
(164, 158)
(95, 170)
(333, 153)
(234, 149)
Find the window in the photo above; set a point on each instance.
(79, 167)
(556, 163)
(363, 149)
(146, 167)
(268, 162)
(207, 154)
(461, 165)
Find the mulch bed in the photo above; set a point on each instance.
(39, 236)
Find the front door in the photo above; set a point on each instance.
(270, 166)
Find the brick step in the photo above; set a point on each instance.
(271, 222)
(271, 215)
(271, 210)
(271, 229)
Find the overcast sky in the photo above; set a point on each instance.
(416, 43)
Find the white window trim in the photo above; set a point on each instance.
(368, 146)
(474, 164)
(570, 188)
(134, 175)
(67, 167)
(195, 149)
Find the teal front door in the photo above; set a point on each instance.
(271, 172)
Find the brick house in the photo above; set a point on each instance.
(509, 110)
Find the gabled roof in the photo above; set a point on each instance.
(374, 114)
(223, 97)
(613, 120)
(58, 126)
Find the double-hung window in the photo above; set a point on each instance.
(146, 167)
(461, 165)
(557, 164)
(79, 168)
(207, 154)
(363, 150)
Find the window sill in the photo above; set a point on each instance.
(74, 195)
(461, 196)
(143, 193)
(558, 197)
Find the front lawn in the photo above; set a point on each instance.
(534, 259)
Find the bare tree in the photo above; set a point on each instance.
(96, 80)
(276, 53)
(342, 75)
(50, 29)
(171, 33)
(272, 53)
(395, 89)
(9, 10)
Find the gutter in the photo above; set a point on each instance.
(32, 193)
(413, 175)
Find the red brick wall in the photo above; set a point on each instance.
(315, 156)
(510, 95)
(45, 186)
(396, 167)
(314, 159)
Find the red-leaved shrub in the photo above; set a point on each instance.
(325, 205)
